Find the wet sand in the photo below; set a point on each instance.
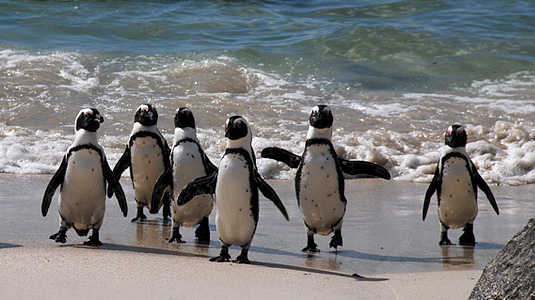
(388, 252)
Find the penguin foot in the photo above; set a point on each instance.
(444, 241)
(220, 259)
(242, 259)
(336, 240)
(93, 241)
(224, 256)
(176, 237)
(467, 238)
(202, 233)
(60, 236)
(140, 217)
(311, 245)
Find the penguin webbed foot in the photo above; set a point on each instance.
(202, 233)
(140, 216)
(224, 256)
(176, 237)
(444, 241)
(467, 238)
(94, 240)
(311, 245)
(336, 240)
(242, 258)
(60, 236)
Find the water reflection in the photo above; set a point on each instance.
(458, 257)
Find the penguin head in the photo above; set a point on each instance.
(146, 115)
(321, 117)
(184, 118)
(88, 119)
(236, 128)
(455, 136)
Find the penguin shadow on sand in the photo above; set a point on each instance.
(5, 245)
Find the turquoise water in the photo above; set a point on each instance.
(396, 73)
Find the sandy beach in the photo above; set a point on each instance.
(388, 252)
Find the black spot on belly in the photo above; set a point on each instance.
(240, 209)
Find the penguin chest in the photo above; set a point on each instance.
(147, 165)
(235, 201)
(320, 200)
(187, 166)
(83, 193)
(458, 200)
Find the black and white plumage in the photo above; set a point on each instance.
(82, 177)
(456, 181)
(147, 156)
(319, 182)
(188, 162)
(235, 185)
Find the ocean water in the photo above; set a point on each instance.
(395, 73)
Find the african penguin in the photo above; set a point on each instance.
(456, 181)
(235, 185)
(188, 162)
(82, 175)
(147, 156)
(319, 182)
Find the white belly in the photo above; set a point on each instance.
(83, 195)
(319, 199)
(187, 167)
(458, 203)
(234, 219)
(147, 166)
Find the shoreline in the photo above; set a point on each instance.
(395, 254)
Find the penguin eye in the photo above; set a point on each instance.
(327, 111)
(315, 110)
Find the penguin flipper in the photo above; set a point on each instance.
(209, 167)
(270, 193)
(114, 187)
(160, 187)
(121, 165)
(486, 189)
(357, 167)
(56, 181)
(200, 186)
(433, 186)
(282, 155)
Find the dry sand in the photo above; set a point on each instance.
(392, 252)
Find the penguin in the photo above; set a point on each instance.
(235, 185)
(456, 181)
(82, 177)
(319, 181)
(147, 156)
(188, 162)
